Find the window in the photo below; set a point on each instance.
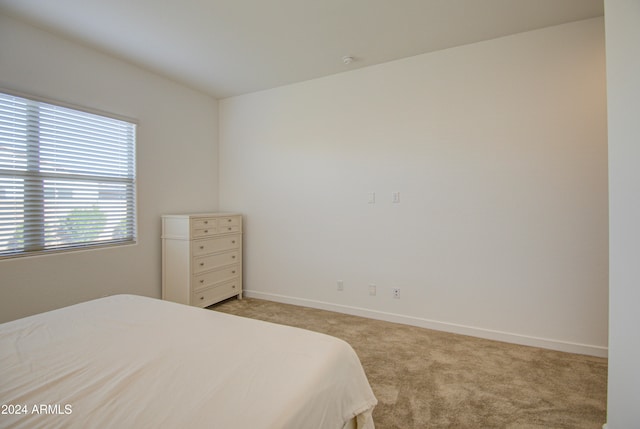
(67, 178)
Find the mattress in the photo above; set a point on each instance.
(127, 361)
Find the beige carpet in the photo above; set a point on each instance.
(430, 379)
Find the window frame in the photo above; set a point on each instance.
(39, 250)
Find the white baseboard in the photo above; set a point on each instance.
(507, 337)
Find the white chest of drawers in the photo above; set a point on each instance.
(201, 258)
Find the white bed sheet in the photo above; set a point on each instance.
(133, 362)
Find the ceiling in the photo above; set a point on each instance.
(231, 47)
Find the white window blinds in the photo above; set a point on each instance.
(67, 178)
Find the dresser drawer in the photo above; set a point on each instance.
(228, 229)
(204, 232)
(206, 263)
(206, 297)
(229, 221)
(204, 223)
(209, 278)
(218, 244)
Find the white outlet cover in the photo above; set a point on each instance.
(372, 197)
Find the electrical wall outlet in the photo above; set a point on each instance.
(372, 289)
(340, 285)
(396, 292)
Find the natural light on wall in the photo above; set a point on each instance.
(67, 178)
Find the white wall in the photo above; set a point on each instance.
(622, 21)
(499, 152)
(176, 165)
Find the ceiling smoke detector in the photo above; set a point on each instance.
(348, 59)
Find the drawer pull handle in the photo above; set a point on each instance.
(201, 247)
(201, 281)
(233, 257)
(233, 241)
(233, 272)
(228, 220)
(206, 231)
(234, 286)
(206, 222)
(202, 264)
(229, 229)
(202, 298)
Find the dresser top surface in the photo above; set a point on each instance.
(197, 215)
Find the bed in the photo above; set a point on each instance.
(128, 361)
